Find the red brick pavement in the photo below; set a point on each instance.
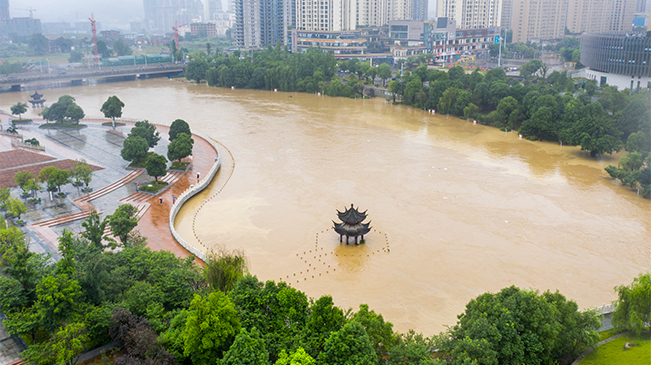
(21, 157)
(155, 222)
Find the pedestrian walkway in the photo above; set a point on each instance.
(10, 348)
(113, 184)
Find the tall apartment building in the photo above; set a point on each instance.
(538, 19)
(344, 15)
(213, 7)
(4, 9)
(600, 16)
(506, 14)
(471, 14)
(260, 23)
(162, 15)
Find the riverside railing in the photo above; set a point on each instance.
(187, 194)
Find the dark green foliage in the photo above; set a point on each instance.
(180, 147)
(349, 346)
(520, 327)
(633, 309)
(380, 333)
(19, 109)
(177, 127)
(134, 148)
(247, 349)
(157, 165)
(64, 110)
(210, 328)
(277, 310)
(324, 318)
(411, 348)
(112, 108)
(122, 221)
(146, 130)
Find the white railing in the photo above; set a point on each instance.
(189, 193)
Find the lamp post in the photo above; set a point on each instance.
(48, 65)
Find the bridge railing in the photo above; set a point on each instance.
(109, 71)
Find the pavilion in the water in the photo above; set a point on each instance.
(37, 100)
(351, 224)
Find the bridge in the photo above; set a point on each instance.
(19, 82)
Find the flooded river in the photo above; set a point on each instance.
(457, 209)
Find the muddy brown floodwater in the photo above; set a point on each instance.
(457, 209)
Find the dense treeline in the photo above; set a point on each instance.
(543, 107)
(160, 309)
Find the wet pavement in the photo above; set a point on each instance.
(112, 183)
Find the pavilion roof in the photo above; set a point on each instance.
(352, 215)
(36, 95)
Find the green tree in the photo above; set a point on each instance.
(58, 111)
(74, 113)
(75, 56)
(223, 269)
(518, 327)
(57, 299)
(83, 173)
(324, 318)
(411, 89)
(134, 149)
(177, 127)
(123, 221)
(121, 48)
(380, 333)
(298, 357)
(15, 207)
(541, 125)
(59, 177)
(595, 132)
(210, 328)
(196, 70)
(349, 346)
(633, 309)
(140, 296)
(23, 178)
(12, 294)
(19, 109)
(156, 166)
(636, 117)
(384, 72)
(638, 142)
(247, 349)
(508, 111)
(112, 108)
(39, 44)
(94, 230)
(146, 130)
(180, 147)
(411, 348)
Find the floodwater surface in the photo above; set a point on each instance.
(457, 209)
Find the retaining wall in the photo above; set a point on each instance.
(189, 193)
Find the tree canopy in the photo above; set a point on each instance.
(112, 108)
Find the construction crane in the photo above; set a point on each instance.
(31, 11)
(176, 34)
(94, 30)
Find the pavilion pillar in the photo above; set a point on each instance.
(340, 238)
(355, 240)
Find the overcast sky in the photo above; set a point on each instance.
(108, 12)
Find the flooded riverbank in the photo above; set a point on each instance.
(458, 209)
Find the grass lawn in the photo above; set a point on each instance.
(179, 165)
(62, 125)
(155, 186)
(613, 352)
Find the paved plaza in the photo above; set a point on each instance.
(113, 184)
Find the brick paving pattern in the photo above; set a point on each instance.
(21, 157)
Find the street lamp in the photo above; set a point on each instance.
(48, 65)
